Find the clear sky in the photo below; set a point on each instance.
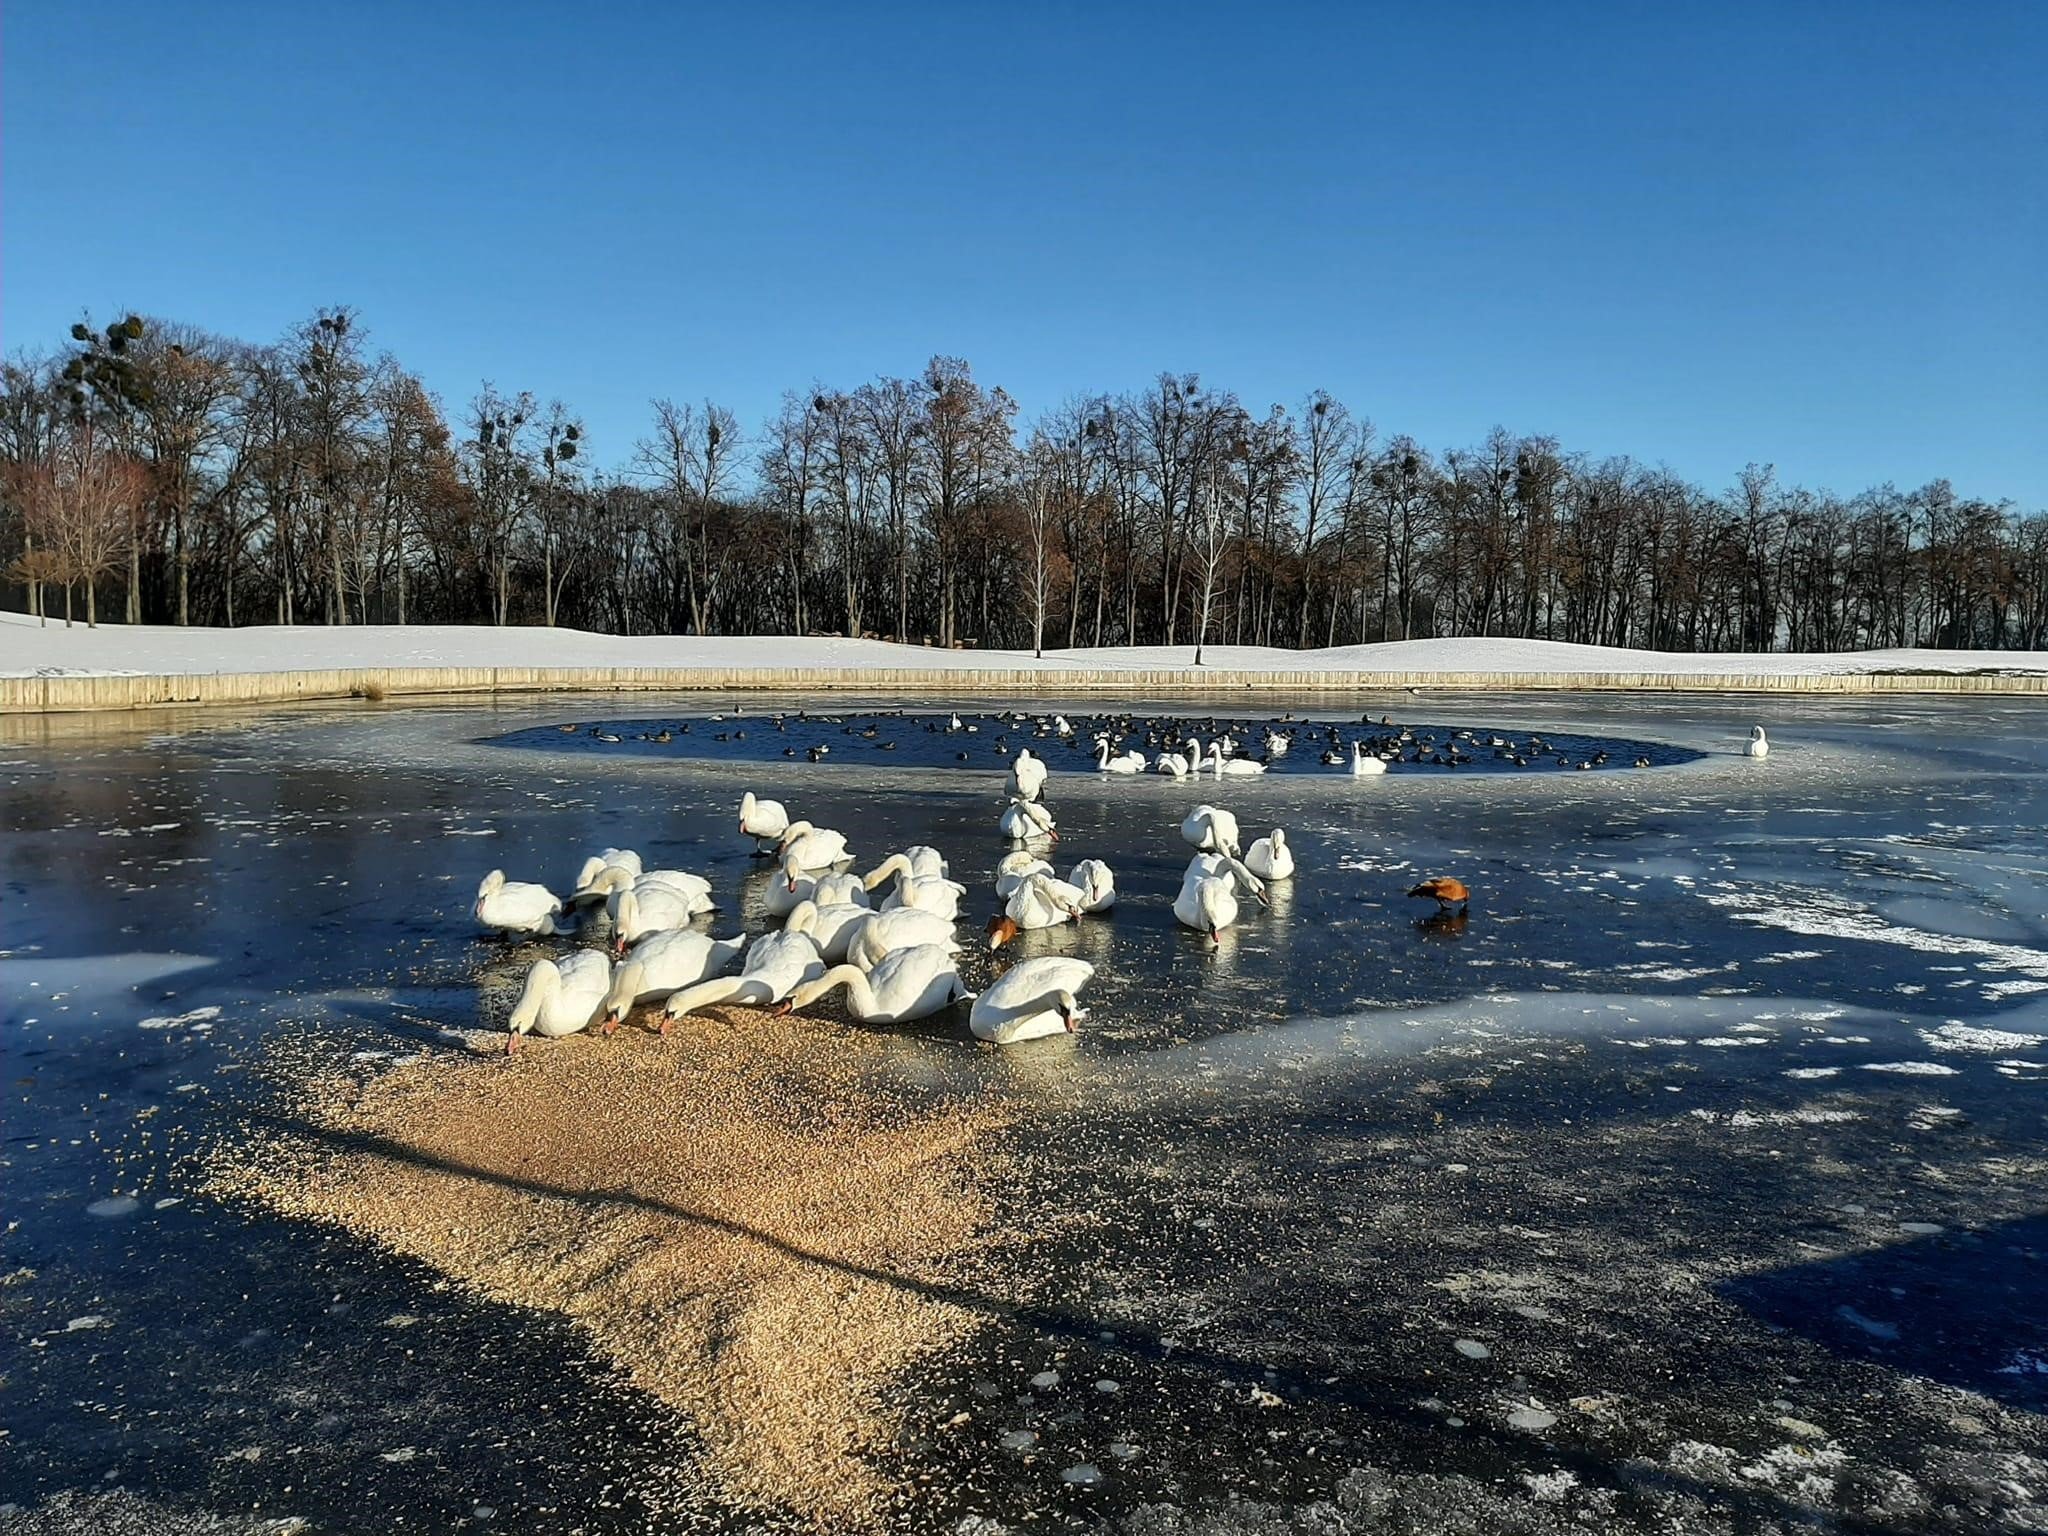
(1808, 233)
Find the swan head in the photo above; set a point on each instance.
(626, 917)
(495, 880)
(1000, 931)
(792, 871)
(541, 983)
(625, 987)
(1068, 1007)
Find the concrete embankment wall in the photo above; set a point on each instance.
(32, 695)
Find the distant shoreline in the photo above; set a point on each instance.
(57, 670)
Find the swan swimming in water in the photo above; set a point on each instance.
(1363, 763)
(1032, 999)
(763, 820)
(516, 906)
(1174, 764)
(911, 983)
(1269, 857)
(667, 962)
(1127, 762)
(1759, 744)
(560, 997)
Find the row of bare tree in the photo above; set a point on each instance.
(210, 481)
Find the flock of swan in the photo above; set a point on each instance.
(887, 937)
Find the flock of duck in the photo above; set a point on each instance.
(1176, 748)
(888, 936)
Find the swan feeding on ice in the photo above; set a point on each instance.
(1031, 999)
(560, 997)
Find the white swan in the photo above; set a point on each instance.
(1023, 820)
(1040, 901)
(1127, 762)
(941, 898)
(1060, 725)
(695, 887)
(516, 906)
(1759, 743)
(763, 820)
(642, 910)
(1014, 868)
(883, 933)
(1363, 762)
(1210, 829)
(784, 897)
(1173, 763)
(1224, 766)
(918, 860)
(1027, 775)
(1269, 857)
(1208, 904)
(1277, 744)
(621, 858)
(1031, 999)
(776, 965)
(833, 926)
(667, 961)
(1097, 884)
(560, 997)
(812, 847)
(1224, 866)
(911, 983)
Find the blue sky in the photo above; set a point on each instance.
(1812, 234)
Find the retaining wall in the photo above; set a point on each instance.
(31, 695)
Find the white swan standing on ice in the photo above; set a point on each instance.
(666, 962)
(919, 883)
(911, 983)
(1027, 775)
(560, 997)
(1363, 762)
(1759, 743)
(812, 847)
(1210, 829)
(782, 897)
(516, 906)
(918, 861)
(1097, 884)
(1207, 903)
(763, 820)
(1024, 820)
(1031, 999)
(1269, 857)
(1126, 762)
(777, 964)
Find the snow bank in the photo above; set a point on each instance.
(28, 649)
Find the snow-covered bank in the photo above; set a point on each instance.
(115, 666)
(28, 649)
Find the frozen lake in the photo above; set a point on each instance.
(1695, 1182)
